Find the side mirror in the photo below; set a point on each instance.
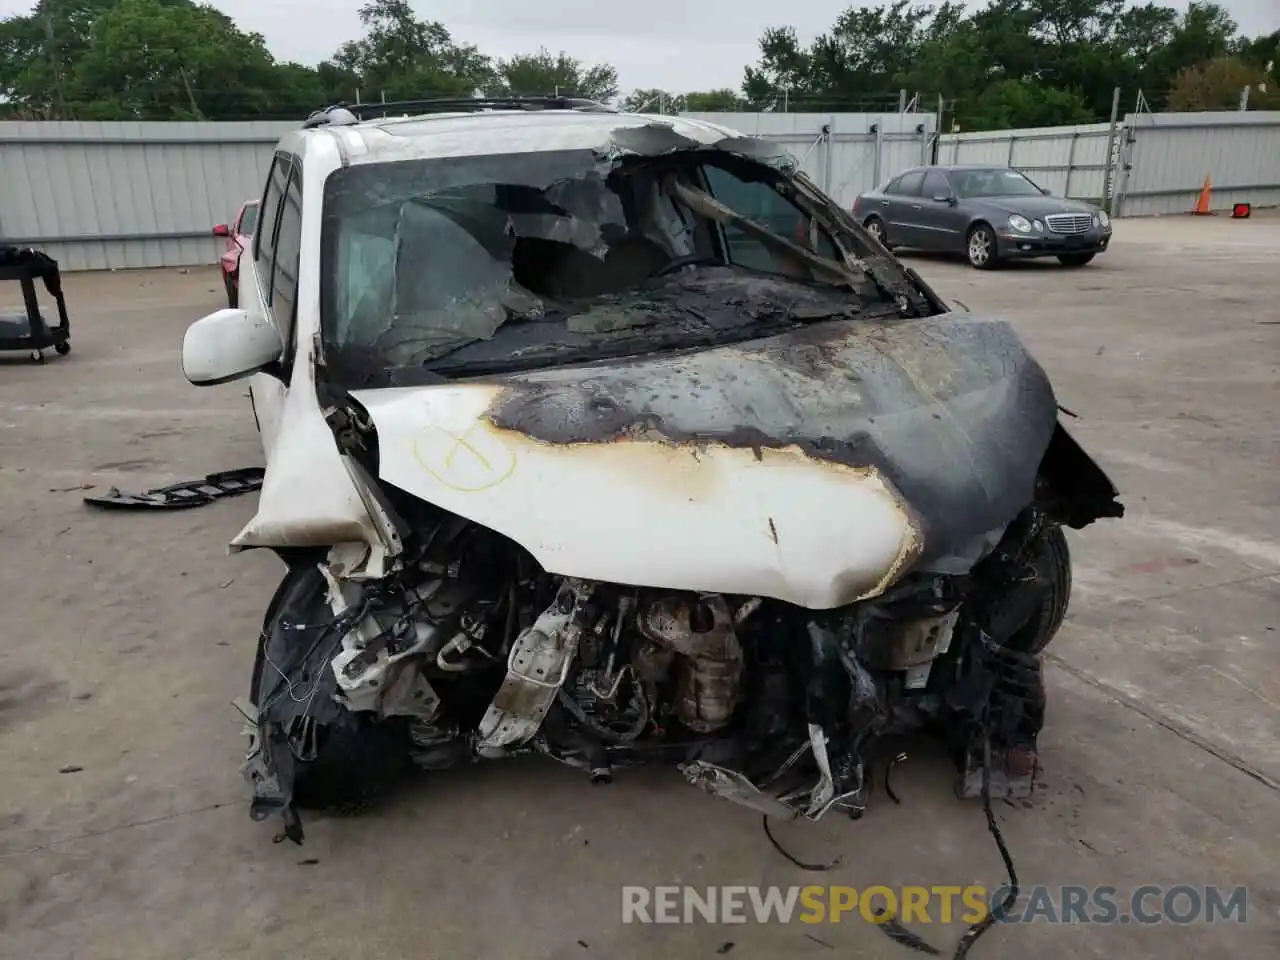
(222, 230)
(946, 198)
(1046, 191)
(227, 345)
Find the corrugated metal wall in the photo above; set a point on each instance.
(1159, 161)
(859, 152)
(105, 195)
(1166, 156)
(1071, 161)
(108, 195)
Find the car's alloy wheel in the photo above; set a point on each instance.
(982, 247)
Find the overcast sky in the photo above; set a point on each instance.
(677, 45)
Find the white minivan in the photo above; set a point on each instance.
(612, 437)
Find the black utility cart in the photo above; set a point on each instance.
(27, 329)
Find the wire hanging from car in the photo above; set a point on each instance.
(888, 774)
(1011, 896)
(889, 925)
(896, 932)
(813, 867)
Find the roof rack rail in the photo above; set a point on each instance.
(345, 114)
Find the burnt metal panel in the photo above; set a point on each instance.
(952, 410)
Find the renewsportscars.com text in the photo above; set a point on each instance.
(1148, 904)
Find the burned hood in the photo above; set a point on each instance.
(816, 467)
(952, 411)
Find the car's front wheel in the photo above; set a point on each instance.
(981, 247)
(1052, 565)
(875, 226)
(1075, 259)
(340, 766)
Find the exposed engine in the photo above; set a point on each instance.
(473, 652)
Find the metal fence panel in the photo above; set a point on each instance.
(107, 195)
(1071, 160)
(1166, 157)
(120, 194)
(1160, 160)
(859, 152)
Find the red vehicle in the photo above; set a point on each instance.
(239, 234)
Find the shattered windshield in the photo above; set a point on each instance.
(490, 261)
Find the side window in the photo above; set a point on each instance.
(284, 276)
(936, 185)
(264, 241)
(909, 184)
(248, 224)
(761, 203)
(893, 185)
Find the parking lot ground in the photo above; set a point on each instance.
(123, 822)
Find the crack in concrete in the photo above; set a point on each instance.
(1208, 586)
(1178, 729)
(92, 834)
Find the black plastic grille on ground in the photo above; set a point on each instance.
(188, 493)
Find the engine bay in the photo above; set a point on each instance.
(470, 651)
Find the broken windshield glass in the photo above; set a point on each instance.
(422, 258)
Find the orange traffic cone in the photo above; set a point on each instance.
(1202, 204)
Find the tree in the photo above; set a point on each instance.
(144, 60)
(1217, 85)
(660, 101)
(1024, 103)
(1205, 32)
(714, 101)
(874, 47)
(337, 84)
(296, 91)
(403, 58)
(1262, 52)
(39, 49)
(784, 67)
(864, 61)
(1010, 62)
(652, 101)
(541, 74)
(170, 59)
